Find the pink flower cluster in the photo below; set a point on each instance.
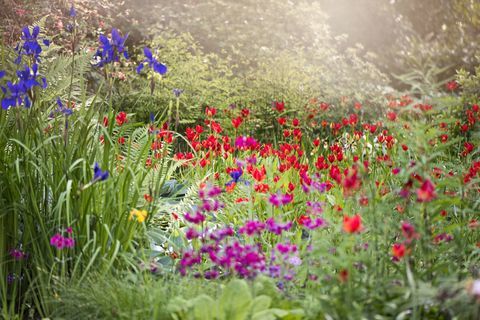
(60, 242)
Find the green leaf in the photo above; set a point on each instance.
(261, 303)
(235, 300)
(204, 307)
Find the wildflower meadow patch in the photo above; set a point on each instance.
(137, 183)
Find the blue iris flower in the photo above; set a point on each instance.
(110, 50)
(2, 74)
(14, 96)
(151, 62)
(61, 108)
(18, 93)
(28, 78)
(30, 45)
(177, 92)
(236, 177)
(99, 174)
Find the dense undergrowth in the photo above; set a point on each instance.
(180, 190)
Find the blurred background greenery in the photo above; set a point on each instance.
(396, 36)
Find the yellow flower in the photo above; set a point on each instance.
(140, 215)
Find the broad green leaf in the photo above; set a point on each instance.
(235, 300)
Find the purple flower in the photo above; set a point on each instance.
(277, 228)
(315, 224)
(73, 12)
(209, 192)
(11, 278)
(314, 208)
(211, 205)
(294, 261)
(17, 254)
(211, 274)
(189, 259)
(221, 234)
(177, 92)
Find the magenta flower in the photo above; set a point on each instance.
(286, 248)
(191, 234)
(314, 208)
(315, 224)
(252, 227)
(68, 242)
(221, 234)
(57, 241)
(197, 218)
(278, 199)
(277, 228)
(17, 254)
(244, 143)
(61, 242)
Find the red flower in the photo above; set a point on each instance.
(210, 112)
(343, 275)
(398, 250)
(426, 193)
(467, 148)
(148, 197)
(240, 200)
(262, 188)
(121, 118)
(452, 85)
(392, 116)
(303, 219)
(245, 112)
(105, 121)
(404, 147)
(363, 201)
(351, 182)
(352, 224)
(444, 138)
(408, 232)
(237, 122)
(282, 121)
(280, 106)
(473, 224)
